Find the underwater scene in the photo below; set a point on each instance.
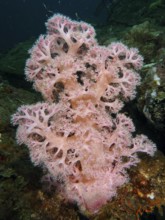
(82, 110)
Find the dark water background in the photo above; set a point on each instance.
(22, 19)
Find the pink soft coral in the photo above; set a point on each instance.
(74, 135)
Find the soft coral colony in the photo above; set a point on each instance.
(78, 134)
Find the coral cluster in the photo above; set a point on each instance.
(78, 134)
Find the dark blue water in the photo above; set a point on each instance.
(22, 19)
